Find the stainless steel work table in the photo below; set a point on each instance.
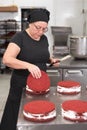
(58, 123)
(73, 63)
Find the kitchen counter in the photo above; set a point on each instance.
(56, 124)
(69, 69)
(71, 63)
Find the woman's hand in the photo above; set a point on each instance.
(54, 62)
(34, 70)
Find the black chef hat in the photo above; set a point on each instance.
(38, 15)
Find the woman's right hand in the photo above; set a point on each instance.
(34, 70)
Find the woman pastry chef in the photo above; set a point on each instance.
(26, 53)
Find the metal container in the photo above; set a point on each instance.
(78, 46)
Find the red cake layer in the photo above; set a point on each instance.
(40, 120)
(39, 110)
(68, 93)
(76, 120)
(39, 107)
(68, 83)
(40, 85)
(78, 106)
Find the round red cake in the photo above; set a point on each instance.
(38, 86)
(39, 111)
(75, 110)
(68, 87)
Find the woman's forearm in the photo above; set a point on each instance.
(15, 63)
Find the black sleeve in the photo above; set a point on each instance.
(17, 39)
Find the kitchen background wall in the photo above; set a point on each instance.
(63, 13)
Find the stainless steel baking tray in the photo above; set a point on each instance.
(58, 123)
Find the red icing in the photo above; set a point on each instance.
(41, 84)
(68, 83)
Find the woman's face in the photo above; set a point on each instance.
(37, 29)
